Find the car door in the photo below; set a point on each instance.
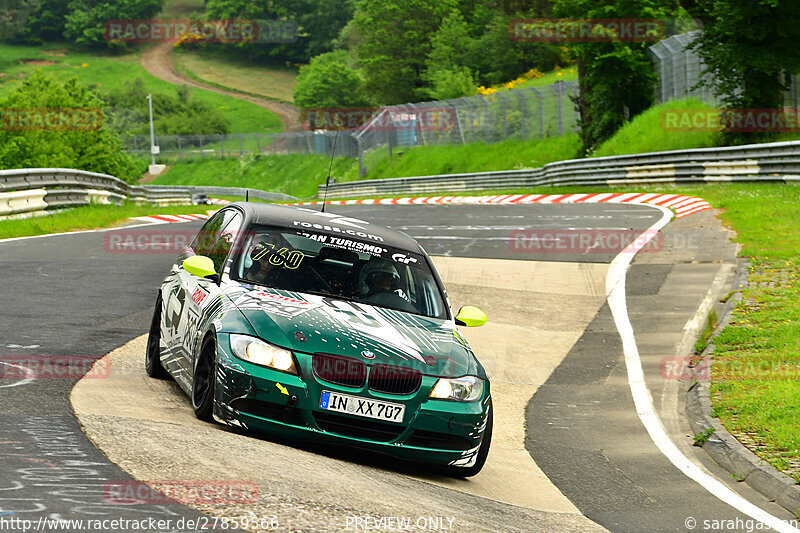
(186, 294)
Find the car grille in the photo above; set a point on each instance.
(394, 380)
(359, 428)
(340, 370)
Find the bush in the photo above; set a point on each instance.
(96, 150)
(173, 114)
(330, 81)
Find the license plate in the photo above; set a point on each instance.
(355, 405)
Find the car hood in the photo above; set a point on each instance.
(317, 324)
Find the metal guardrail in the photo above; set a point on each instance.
(758, 162)
(37, 189)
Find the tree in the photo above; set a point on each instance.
(85, 22)
(319, 23)
(616, 78)
(330, 82)
(13, 16)
(395, 42)
(748, 46)
(85, 145)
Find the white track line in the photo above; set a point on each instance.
(615, 289)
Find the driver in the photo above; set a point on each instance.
(257, 262)
(379, 284)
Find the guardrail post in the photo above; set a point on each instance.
(258, 143)
(471, 119)
(202, 152)
(541, 110)
(241, 145)
(221, 146)
(180, 153)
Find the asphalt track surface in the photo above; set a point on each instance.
(68, 296)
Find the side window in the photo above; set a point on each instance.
(225, 241)
(207, 238)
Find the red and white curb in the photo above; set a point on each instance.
(161, 219)
(218, 201)
(682, 205)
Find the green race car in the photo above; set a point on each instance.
(317, 326)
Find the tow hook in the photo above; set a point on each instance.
(290, 405)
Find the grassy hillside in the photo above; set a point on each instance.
(296, 175)
(228, 73)
(114, 72)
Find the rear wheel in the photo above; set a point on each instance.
(152, 360)
(483, 452)
(203, 381)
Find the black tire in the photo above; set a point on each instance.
(152, 359)
(483, 452)
(204, 380)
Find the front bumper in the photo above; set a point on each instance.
(272, 402)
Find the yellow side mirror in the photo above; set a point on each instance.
(470, 316)
(200, 266)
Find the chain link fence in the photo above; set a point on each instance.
(680, 71)
(523, 114)
(527, 113)
(198, 147)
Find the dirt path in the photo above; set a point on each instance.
(157, 62)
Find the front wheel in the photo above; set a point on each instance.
(483, 452)
(203, 381)
(152, 360)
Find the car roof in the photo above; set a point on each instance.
(328, 223)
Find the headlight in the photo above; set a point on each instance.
(466, 389)
(261, 353)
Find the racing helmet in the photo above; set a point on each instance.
(262, 244)
(370, 272)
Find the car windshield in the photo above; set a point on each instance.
(340, 267)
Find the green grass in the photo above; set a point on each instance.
(453, 159)
(114, 72)
(182, 8)
(88, 217)
(645, 133)
(296, 175)
(566, 74)
(208, 66)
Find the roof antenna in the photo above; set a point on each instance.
(328, 179)
(247, 195)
